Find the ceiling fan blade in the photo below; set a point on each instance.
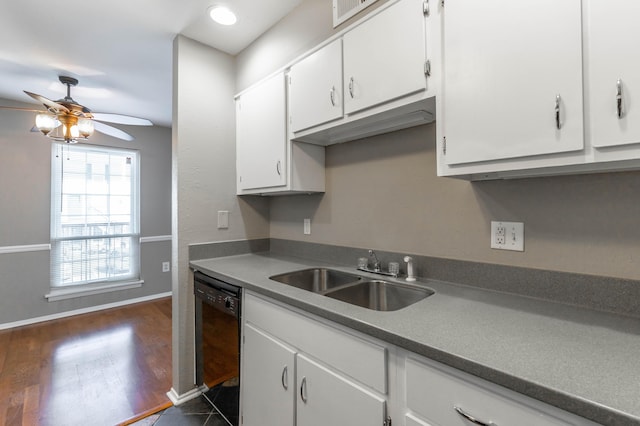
(112, 131)
(47, 102)
(121, 119)
(21, 109)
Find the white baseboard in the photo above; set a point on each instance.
(83, 310)
(188, 396)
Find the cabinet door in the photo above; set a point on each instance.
(268, 380)
(315, 88)
(384, 57)
(261, 135)
(434, 395)
(507, 64)
(327, 398)
(613, 35)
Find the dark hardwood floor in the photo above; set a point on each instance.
(100, 368)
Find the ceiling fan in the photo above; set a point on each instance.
(65, 120)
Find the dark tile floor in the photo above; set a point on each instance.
(199, 411)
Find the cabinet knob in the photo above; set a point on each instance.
(303, 390)
(332, 95)
(557, 112)
(351, 87)
(619, 98)
(472, 419)
(279, 168)
(285, 378)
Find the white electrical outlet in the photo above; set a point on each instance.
(307, 227)
(166, 266)
(507, 236)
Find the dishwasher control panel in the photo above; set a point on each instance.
(216, 297)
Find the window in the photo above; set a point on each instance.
(94, 215)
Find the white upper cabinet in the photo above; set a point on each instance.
(261, 135)
(382, 71)
(384, 57)
(613, 72)
(315, 88)
(267, 162)
(512, 79)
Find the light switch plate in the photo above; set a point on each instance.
(307, 227)
(507, 236)
(223, 219)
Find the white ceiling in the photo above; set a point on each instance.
(119, 50)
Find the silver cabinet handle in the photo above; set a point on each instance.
(619, 97)
(279, 168)
(557, 111)
(303, 390)
(472, 419)
(351, 87)
(332, 95)
(285, 381)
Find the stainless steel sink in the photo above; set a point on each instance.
(380, 295)
(317, 280)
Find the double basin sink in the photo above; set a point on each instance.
(376, 294)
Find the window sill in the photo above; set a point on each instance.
(90, 289)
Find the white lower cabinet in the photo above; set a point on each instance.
(439, 395)
(328, 398)
(268, 380)
(298, 369)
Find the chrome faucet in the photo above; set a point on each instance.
(377, 269)
(376, 262)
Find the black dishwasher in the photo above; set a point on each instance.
(217, 339)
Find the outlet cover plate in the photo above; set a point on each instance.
(507, 236)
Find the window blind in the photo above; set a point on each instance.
(95, 233)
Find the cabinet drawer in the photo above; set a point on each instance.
(362, 360)
(433, 391)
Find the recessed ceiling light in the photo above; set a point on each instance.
(222, 15)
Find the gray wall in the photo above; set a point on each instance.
(204, 180)
(383, 192)
(25, 193)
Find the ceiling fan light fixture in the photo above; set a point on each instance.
(85, 127)
(222, 15)
(45, 123)
(65, 120)
(70, 133)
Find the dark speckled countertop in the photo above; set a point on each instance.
(582, 361)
